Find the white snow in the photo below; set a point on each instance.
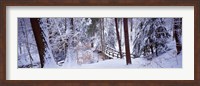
(166, 60)
(79, 53)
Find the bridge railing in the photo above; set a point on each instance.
(114, 53)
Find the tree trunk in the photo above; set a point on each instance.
(131, 20)
(156, 46)
(151, 46)
(103, 39)
(37, 31)
(72, 39)
(121, 34)
(65, 44)
(118, 38)
(126, 36)
(177, 33)
(131, 28)
(20, 48)
(72, 25)
(101, 34)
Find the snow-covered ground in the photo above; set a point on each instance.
(83, 49)
(166, 60)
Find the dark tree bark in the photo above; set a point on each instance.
(72, 25)
(131, 20)
(118, 38)
(156, 46)
(177, 34)
(73, 32)
(151, 47)
(121, 30)
(20, 48)
(126, 36)
(37, 31)
(131, 24)
(65, 44)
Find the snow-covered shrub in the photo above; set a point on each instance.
(152, 38)
(85, 57)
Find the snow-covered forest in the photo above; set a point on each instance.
(99, 42)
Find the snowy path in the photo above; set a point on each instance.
(167, 60)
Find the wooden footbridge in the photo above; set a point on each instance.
(113, 53)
